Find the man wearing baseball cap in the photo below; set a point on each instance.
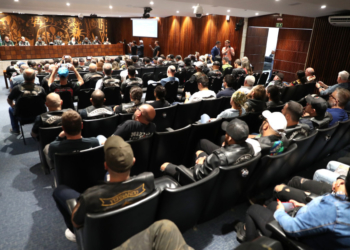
(277, 80)
(271, 138)
(315, 115)
(199, 68)
(215, 72)
(235, 150)
(62, 70)
(120, 191)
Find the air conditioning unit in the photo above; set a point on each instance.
(340, 21)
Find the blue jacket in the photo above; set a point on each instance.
(169, 79)
(324, 223)
(339, 115)
(331, 89)
(214, 52)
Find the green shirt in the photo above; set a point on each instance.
(225, 66)
(9, 43)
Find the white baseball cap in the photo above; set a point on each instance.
(141, 41)
(199, 65)
(276, 120)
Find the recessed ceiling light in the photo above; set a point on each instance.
(323, 6)
(110, 6)
(152, 2)
(16, 0)
(177, 11)
(228, 10)
(207, 14)
(257, 14)
(277, 0)
(193, 7)
(68, 4)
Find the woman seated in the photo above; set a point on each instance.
(274, 95)
(301, 79)
(159, 94)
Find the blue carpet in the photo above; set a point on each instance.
(29, 218)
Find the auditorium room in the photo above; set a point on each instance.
(174, 125)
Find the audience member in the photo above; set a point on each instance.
(136, 62)
(97, 109)
(238, 70)
(88, 61)
(92, 73)
(237, 102)
(301, 79)
(337, 101)
(277, 80)
(28, 88)
(159, 94)
(274, 95)
(203, 93)
(135, 98)
(246, 65)
(124, 73)
(188, 66)
(228, 82)
(147, 62)
(342, 82)
(179, 61)
(292, 111)
(215, 72)
(107, 80)
(199, 68)
(256, 99)
(315, 113)
(333, 170)
(140, 126)
(226, 63)
(248, 85)
(310, 75)
(132, 80)
(116, 64)
(171, 76)
(19, 79)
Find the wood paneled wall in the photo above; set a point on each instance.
(289, 21)
(256, 47)
(329, 51)
(291, 52)
(184, 35)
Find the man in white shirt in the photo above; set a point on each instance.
(228, 51)
(248, 85)
(124, 73)
(203, 93)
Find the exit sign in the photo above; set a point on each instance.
(279, 25)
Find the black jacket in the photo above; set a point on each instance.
(253, 105)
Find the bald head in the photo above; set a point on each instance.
(46, 67)
(29, 75)
(53, 102)
(97, 98)
(107, 69)
(92, 67)
(309, 72)
(23, 67)
(148, 113)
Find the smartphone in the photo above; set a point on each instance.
(88, 57)
(288, 206)
(66, 56)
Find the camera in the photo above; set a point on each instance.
(198, 10)
(146, 13)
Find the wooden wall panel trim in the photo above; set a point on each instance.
(289, 21)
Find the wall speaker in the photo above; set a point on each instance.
(240, 24)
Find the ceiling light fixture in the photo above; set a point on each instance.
(151, 3)
(228, 10)
(193, 7)
(177, 11)
(257, 14)
(207, 14)
(68, 4)
(16, 0)
(323, 6)
(110, 6)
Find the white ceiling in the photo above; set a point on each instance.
(163, 8)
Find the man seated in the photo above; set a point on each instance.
(323, 223)
(203, 93)
(132, 80)
(147, 62)
(92, 73)
(19, 79)
(171, 76)
(135, 98)
(342, 82)
(124, 73)
(238, 70)
(274, 96)
(179, 61)
(136, 62)
(70, 139)
(52, 118)
(315, 115)
(226, 63)
(107, 80)
(256, 99)
(228, 85)
(160, 62)
(159, 95)
(271, 134)
(234, 150)
(292, 112)
(199, 68)
(248, 85)
(97, 109)
(310, 75)
(140, 126)
(187, 65)
(215, 72)
(119, 159)
(337, 101)
(81, 66)
(277, 80)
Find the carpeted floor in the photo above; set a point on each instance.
(28, 216)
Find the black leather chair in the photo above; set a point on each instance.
(309, 89)
(146, 77)
(126, 94)
(257, 76)
(211, 107)
(146, 71)
(142, 151)
(80, 170)
(288, 94)
(91, 84)
(276, 108)
(230, 187)
(159, 70)
(165, 118)
(168, 147)
(105, 231)
(270, 170)
(181, 76)
(102, 126)
(215, 84)
(124, 117)
(150, 91)
(187, 114)
(112, 95)
(84, 96)
(189, 73)
(46, 135)
(67, 99)
(162, 75)
(344, 139)
(171, 91)
(184, 205)
(225, 103)
(116, 72)
(255, 121)
(228, 71)
(27, 108)
(72, 76)
(240, 82)
(263, 78)
(40, 77)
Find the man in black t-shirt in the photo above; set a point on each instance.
(156, 49)
(140, 49)
(135, 98)
(133, 48)
(28, 88)
(118, 192)
(132, 80)
(141, 126)
(97, 109)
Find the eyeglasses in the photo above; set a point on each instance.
(331, 95)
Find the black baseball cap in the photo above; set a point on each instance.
(237, 129)
(118, 154)
(317, 103)
(216, 63)
(280, 75)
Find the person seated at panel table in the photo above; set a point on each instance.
(233, 151)
(58, 41)
(86, 41)
(96, 41)
(40, 42)
(107, 42)
(73, 41)
(135, 102)
(7, 42)
(23, 42)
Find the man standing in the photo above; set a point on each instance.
(73, 42)
(215, 51)
(342, 82)
(7, 42)
(40, 42)
(140, 49)
(156, 49)
(133, 48)
(23, 42)
(58, 41)
(228, 51)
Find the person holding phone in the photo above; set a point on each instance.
(228, 51)
(156, 49)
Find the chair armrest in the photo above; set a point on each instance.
(185, 175)
(276, 229)
(79, 237)
(71, 203)
(169, 129)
